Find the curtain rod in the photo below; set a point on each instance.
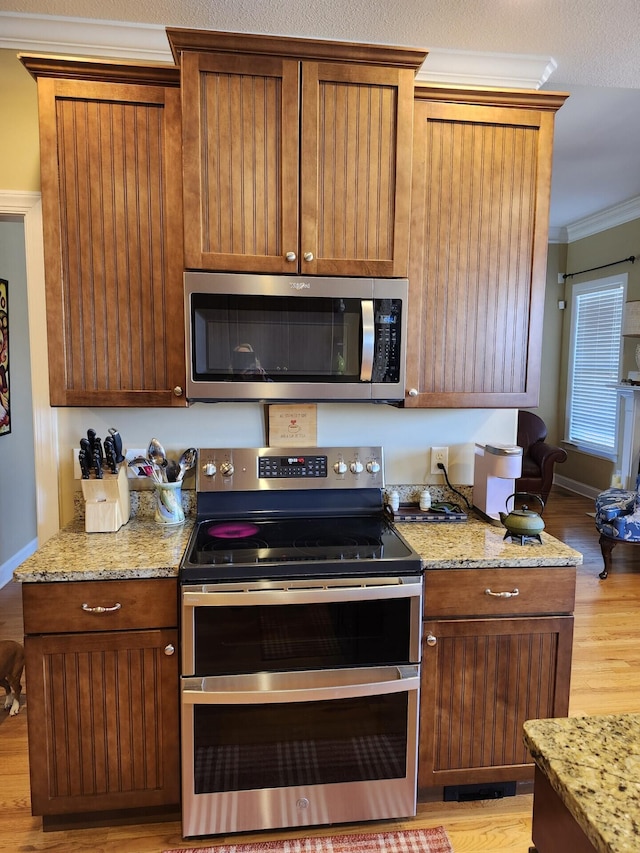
(631, 259)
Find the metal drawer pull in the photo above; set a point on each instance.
(100, 609)
(431, 640)
(511, 594)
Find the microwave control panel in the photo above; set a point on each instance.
(387, 335)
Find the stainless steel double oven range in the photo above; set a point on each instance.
(300, 644)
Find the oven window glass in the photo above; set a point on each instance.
(245, 747)
(276, 339)
(270, 638)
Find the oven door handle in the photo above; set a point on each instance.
(248, 597)
(285, 687)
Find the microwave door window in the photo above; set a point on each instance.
(276, 339)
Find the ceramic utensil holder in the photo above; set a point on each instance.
(107, 505)
(169, 508)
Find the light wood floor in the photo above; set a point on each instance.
(605, 679)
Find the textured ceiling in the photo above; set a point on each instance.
(593, 43)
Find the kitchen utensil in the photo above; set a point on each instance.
(87, 451)
(117, 444)
(172, 471)
(187, 460)
(156, 454)
(97, 463)
(110, 454)
(523, 522)
(85, 463)
(149, 468)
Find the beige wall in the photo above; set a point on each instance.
(587, 253)
(19, 148)
(550, 406)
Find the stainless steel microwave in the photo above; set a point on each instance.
(288, 338)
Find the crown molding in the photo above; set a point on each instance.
(469, 68)
(83, 37)
(148, 42)
(558, 235)
(610, 217)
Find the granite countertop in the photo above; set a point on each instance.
(593, 764)
(142, 548)
(477, 544)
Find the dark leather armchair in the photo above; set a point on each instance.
(538, 457)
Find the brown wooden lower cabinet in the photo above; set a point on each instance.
(484, 674)
(103, 719)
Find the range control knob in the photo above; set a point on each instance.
(209, 469)
(227, 469)
(356, 467)
(340, 467)
(373, 466)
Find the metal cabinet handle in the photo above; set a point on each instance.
(413, 392)
(100, 609)
(511, 594)
(177, 391)
(169, 649)
(291, 257)
(308, 256)
(431, 640)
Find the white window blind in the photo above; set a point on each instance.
(595, 359)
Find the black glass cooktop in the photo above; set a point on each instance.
(222, 549)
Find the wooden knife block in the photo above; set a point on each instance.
(106, 502)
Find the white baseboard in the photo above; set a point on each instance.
(574, 486)
(7, 569)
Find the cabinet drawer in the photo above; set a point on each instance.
(70, 606)
(467, 592)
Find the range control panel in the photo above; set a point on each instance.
(249, 469)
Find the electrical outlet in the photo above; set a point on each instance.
(439, 455)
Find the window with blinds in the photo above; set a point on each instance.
(594, 364)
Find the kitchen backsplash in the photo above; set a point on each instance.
(143, 499)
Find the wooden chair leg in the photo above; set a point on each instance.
(606, 546)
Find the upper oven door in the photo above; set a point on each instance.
(300, 625)
(254, 337)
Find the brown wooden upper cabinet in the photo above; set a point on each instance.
(478, 245)
(297, 154)
(110, 145)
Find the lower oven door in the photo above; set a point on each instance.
(303, 748)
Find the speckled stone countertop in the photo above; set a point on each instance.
(477, 544)
(140, 549)
(593, 764)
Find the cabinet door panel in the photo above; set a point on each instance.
(356, 168)
(112, 205)
(241, 143)
(478, 245)
(103, 721)
(480, 682)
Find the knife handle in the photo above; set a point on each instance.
(117, 443)
(110, 455)
(83, 461)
